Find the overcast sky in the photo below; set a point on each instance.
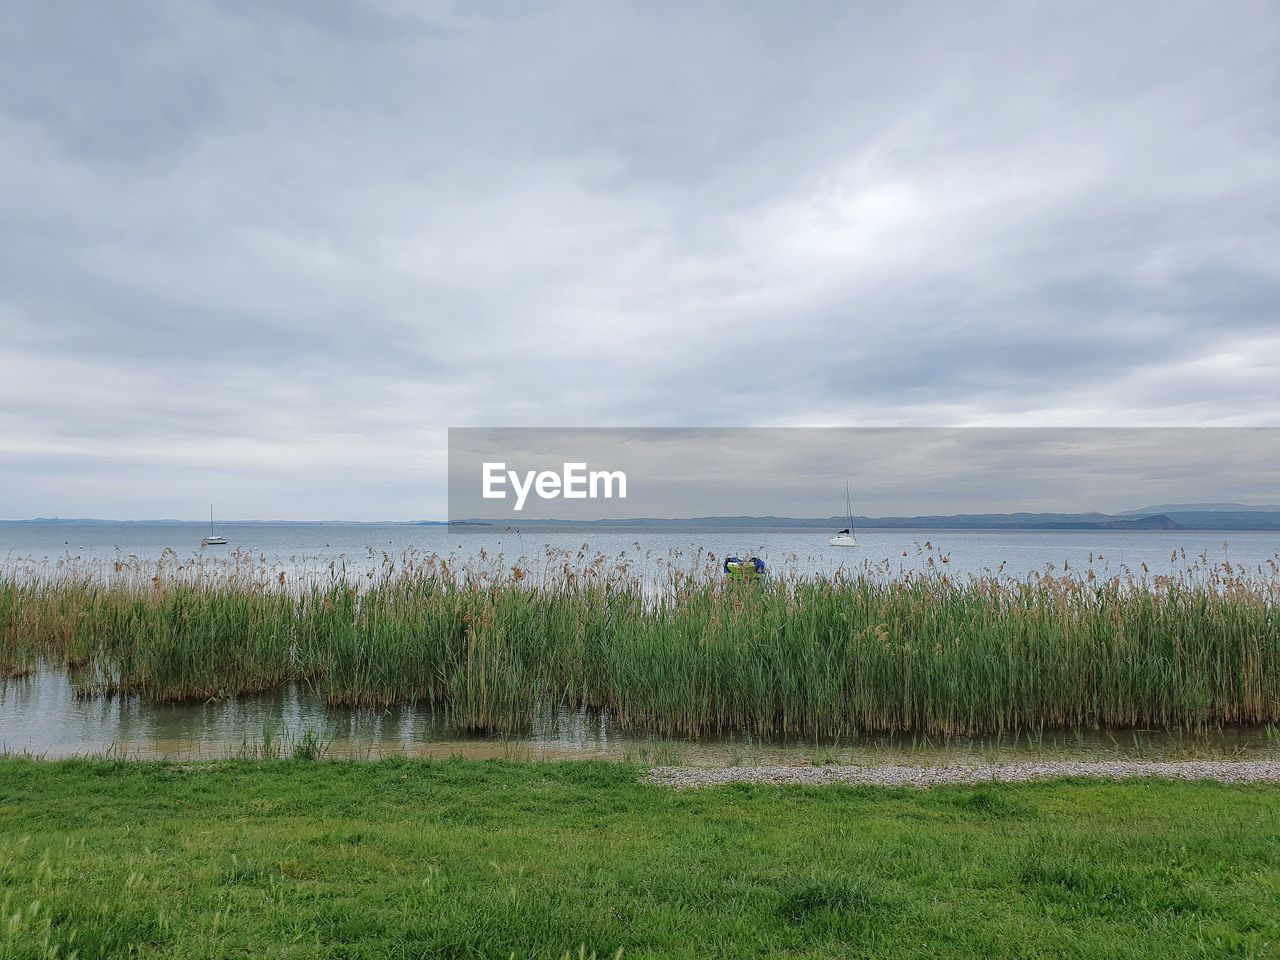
(264, 254)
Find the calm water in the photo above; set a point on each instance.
(41, 714)
(804, 551)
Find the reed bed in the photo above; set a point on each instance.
(680, 653)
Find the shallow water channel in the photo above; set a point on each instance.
(42, 715)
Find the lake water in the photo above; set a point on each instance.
(42, 714)
(802, 552)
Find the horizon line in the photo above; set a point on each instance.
(1194, 507)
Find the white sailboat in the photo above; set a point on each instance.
(845, 537)
(212, 540)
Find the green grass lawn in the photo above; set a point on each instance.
(493, 859)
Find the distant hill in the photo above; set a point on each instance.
(1227, 520)
(1201, 508)
(1207, 520)
(1214, 516)
(1158, 522)
(982, 521)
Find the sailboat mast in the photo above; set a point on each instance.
(848, 505)
(211, 519)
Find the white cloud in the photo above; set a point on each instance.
(303, 239)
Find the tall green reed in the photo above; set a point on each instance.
(690, 654)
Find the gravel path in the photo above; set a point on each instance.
(1223, 771)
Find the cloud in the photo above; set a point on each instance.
(266, 254)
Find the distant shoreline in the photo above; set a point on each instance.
(1243, 519)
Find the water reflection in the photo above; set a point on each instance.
(42, 715)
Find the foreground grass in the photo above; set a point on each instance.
(493, 859)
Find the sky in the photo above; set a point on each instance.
(265, 255)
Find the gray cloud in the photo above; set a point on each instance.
(265, 254)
